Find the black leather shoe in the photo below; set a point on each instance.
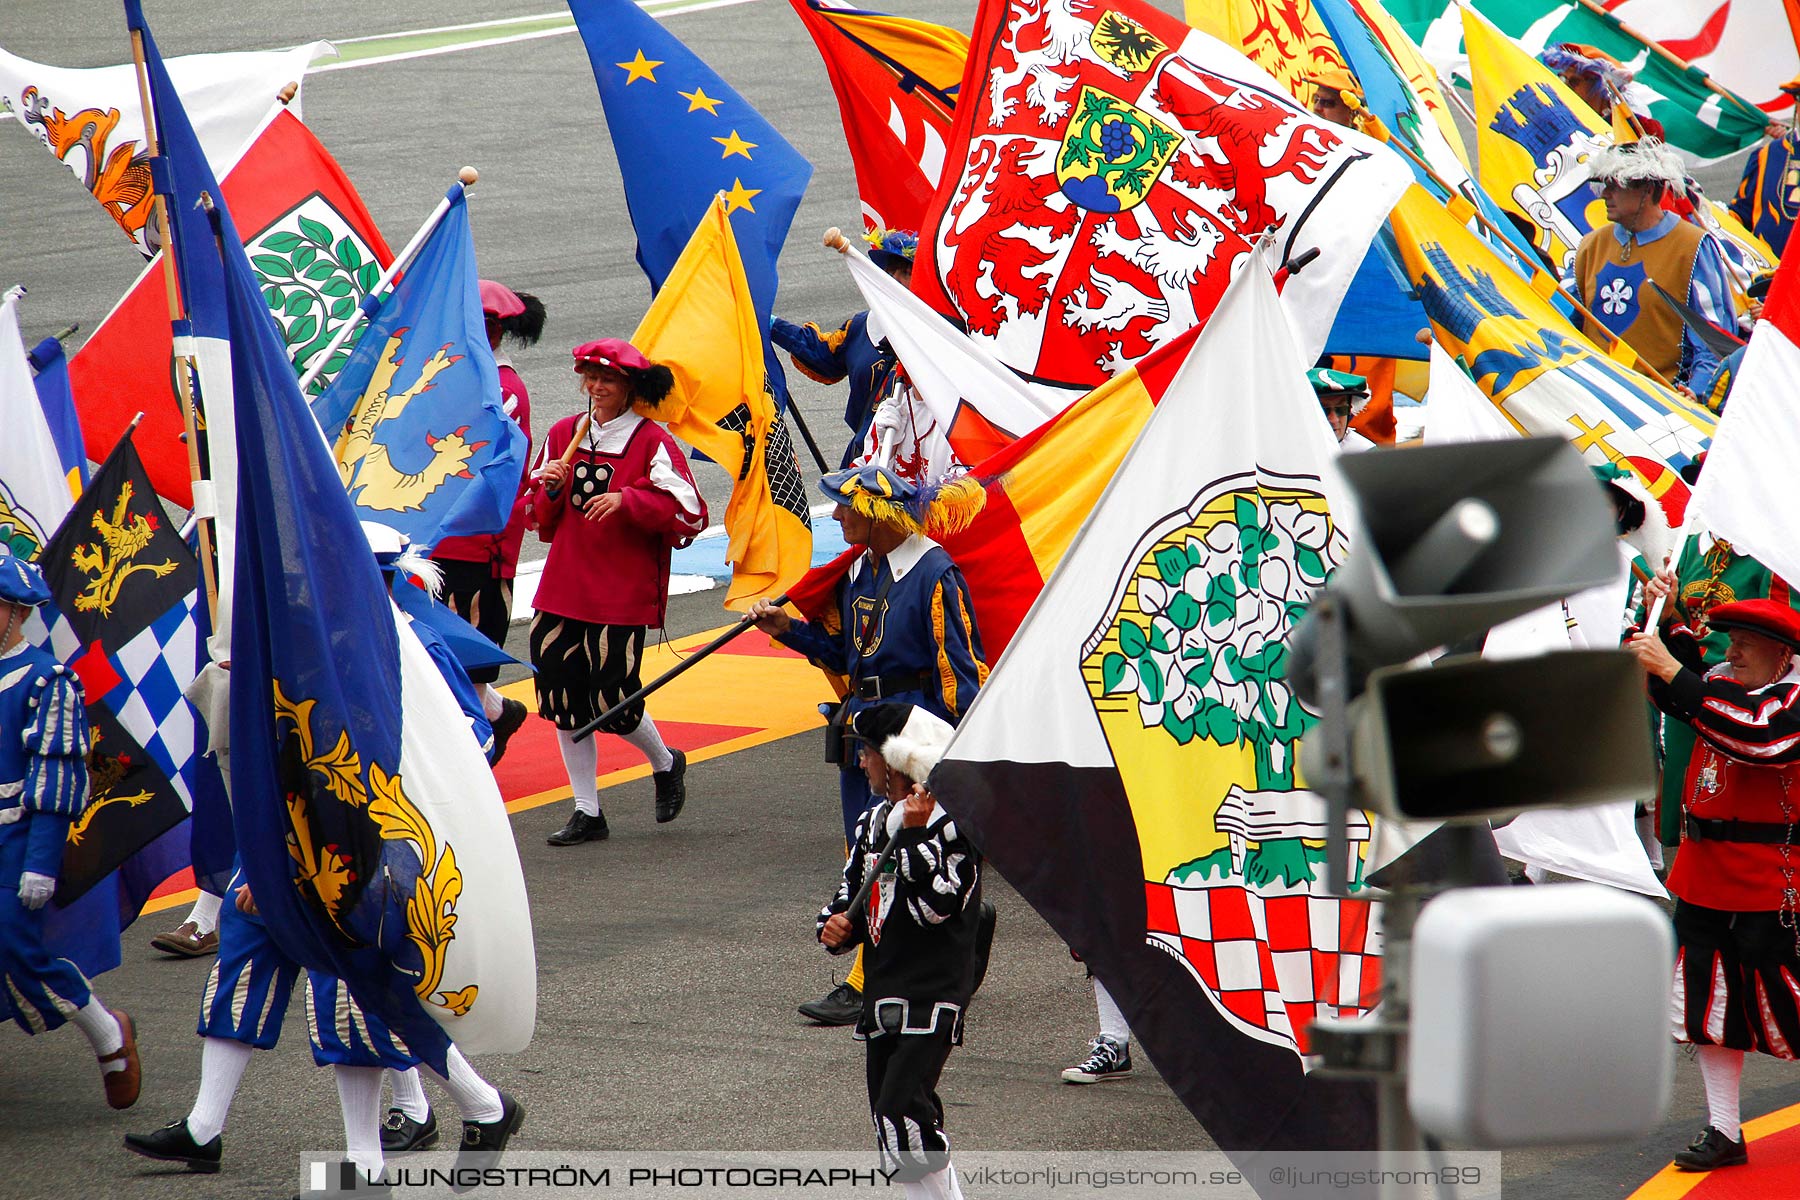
(581, 828)
(512, 715)
(173, 1143)
(671, 789)
(1710, 1151)
(400, 1133)
(842, 1005)
(482, 1142)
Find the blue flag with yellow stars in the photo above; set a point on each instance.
(682, 135)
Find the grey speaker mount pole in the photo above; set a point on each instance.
(1373, 1049)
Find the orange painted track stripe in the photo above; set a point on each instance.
(1671, 1184)
(774, 693)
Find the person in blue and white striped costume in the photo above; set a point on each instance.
(43, 787)
(247, 993)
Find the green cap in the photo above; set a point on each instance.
(1327, 382)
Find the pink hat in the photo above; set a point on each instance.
(498, 300)
(616, 353)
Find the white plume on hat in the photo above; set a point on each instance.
(397, 552)
(919, 744)
(1647, 160)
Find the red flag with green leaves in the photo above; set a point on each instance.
(317, 251)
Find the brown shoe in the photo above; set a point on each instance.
(186, 941)
(122, 1086)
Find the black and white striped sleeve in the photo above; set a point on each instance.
(940, 867)
(849, 884)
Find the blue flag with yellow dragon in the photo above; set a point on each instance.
(421, 439)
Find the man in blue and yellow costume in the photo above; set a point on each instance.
(1768, 196)
(244, 1003)
(901, 628)
(851, 351)
(1643, 244)
(43, 787)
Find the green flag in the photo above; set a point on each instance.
(1708, 123)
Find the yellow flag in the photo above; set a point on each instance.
(1286, 38)
(933, 53)
(1624, 129)
(702, 326)
(1533, 139)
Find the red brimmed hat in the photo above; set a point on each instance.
(650, 382)
(1766, 617)
(616, 353)
(498, 300)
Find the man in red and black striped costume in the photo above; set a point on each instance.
(1734, 877)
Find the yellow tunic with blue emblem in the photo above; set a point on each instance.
(1614, 275)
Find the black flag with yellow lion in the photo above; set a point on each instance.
(125, 584)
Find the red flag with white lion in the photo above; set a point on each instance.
(1113, 169)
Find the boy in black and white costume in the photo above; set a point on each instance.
(920, 925)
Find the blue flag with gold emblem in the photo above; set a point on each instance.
(422, 441)
(374, 842)
(683, 135)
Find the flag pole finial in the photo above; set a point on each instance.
(469, 176)
(835, 240)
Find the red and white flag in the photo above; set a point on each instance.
(92, 120)
(1747, 46)
(1110, 172)
(315, 248)
(1745, 494)
(895, 80)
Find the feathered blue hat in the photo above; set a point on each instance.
(892, 247)
(876, 493)
(395, 551)
(937, 509)
(20, 581)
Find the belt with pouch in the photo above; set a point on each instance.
(894, 683)
(1729, 829)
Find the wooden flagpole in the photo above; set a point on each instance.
(183, 356)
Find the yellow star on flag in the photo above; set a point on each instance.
(735, 145)
(639, 68)
(739, 197)
(699, 99)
